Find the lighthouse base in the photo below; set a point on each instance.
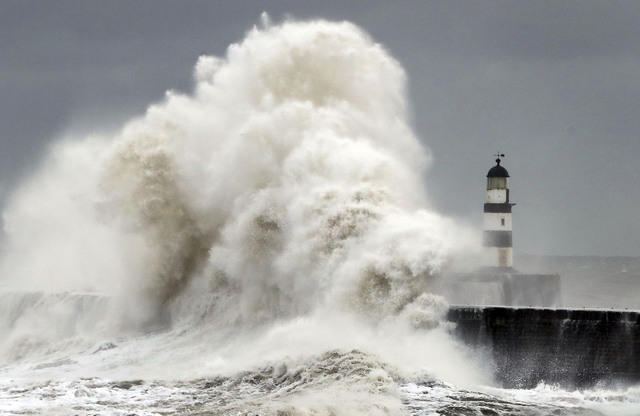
(502, 286)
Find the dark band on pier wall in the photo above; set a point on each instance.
(499, 208)
(497, 238)
(574, 348)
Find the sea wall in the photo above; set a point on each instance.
(571, 348)
(35, 323)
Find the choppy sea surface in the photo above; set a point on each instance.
(186, 370)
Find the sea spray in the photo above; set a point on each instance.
(277, 211)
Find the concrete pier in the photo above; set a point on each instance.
(572, 348)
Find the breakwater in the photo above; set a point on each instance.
(36, 323)
(568, 347)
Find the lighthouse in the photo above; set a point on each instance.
(497, 218)
(499, 283)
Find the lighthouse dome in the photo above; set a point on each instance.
(497, 171)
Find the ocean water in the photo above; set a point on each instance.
(591, 281)
(299, 366)
(263, 245)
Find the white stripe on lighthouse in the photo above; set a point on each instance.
(497, 221)
(497, 196)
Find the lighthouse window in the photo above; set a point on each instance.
(501, 221)
(497, 183)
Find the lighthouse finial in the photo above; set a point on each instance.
(498, 155)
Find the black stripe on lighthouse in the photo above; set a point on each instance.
(501, 208)
(497, 238)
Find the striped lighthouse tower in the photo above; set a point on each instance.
(497, 217)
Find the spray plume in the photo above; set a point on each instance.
(287, 184)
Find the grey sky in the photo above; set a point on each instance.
(553, 84)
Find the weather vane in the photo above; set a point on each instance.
(498, 156)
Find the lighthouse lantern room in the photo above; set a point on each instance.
(497, 218)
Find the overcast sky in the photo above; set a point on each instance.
(553, 84)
